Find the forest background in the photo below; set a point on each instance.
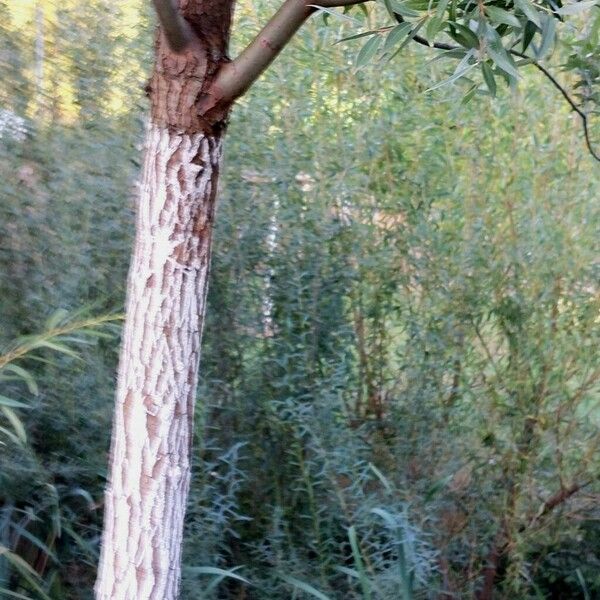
(400, 377)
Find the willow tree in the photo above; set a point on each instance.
(191, 91)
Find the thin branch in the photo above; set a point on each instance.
(557, 499)
(571, 102)
(584, 117)
(501, 543)
(30, 343)
(178, 33)
(236, 77)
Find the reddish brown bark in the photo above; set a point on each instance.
(181, 81)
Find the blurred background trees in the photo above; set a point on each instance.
(400, 369)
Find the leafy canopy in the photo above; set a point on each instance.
(497, 36)
(495, 39)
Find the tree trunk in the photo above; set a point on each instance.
(191, 91)
(153, 424)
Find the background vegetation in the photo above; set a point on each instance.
(400, 378)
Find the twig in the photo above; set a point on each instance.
(562, 495)
(571, 102)
(584, 117)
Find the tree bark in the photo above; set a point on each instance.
(153, 424)
(149, 476)
(192, 88)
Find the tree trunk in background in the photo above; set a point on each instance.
(158, 372)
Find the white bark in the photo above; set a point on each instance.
(153, 427)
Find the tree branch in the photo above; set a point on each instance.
(571, 102)
(178, 33)
(236, 77)
(557, 499)
(584, 117)
(501, 543)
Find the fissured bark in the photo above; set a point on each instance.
(150, 459)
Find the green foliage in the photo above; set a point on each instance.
(399, 364)
(499, 37)
(37, 511)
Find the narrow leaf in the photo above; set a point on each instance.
(499, 15)
(469, 95)
(358, 561)
(336, 14)
(350, 572)
(389, 7)
(381, 477)
(16, 423)
(305, 587)
(387, 517)
(441, 8)
(4, 401)
(56, 318)
(25, 376)
(528, 33)
(498, 53)
(400, 8)
(358, 35)
(582, 583)
(576, 8)
(529, 10)
(10, 435)
(488, 77)
(22, 532)
(56, 347)
(464, 36)
(25, 569)
(548, 33)
(457, 75)
(396, 35)
(368, 51)
(10, 594)
(434, 26)
(86, 546)
(412, 34)
(216, 571)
